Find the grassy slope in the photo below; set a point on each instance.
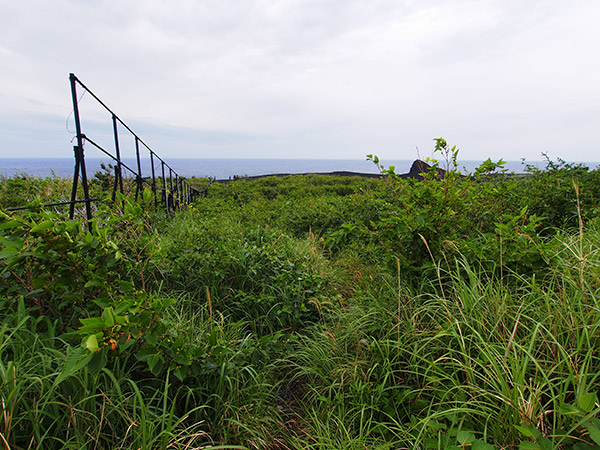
(313, 329)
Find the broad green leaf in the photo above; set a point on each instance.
(42, 226)
(147, 195)
(430, 443)
(545, 443)
(34, 293)
(465, 437)
(593, 427)
(102, 302)
(98, 361)
(75, 360)
(9, 224)
(91, 325)
(109, 317)
(179, 373)
(184, 360)
(479, 444)
(155, 363)
(124, 305)
(587, 401)
(94, 282)
(126, 285)
(178, 343)
(528, 445)
(525, 430)
(127, 344)
(91, 343)
(151, 339)
(122, 320)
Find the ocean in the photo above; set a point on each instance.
(223, 169)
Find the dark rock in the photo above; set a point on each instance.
(420, 167)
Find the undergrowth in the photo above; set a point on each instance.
(313, 312)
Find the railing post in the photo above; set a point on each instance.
(153, 179)
(75, 183)
(164, 180)
(177, 190)
(118, 172)
(138, 188)
(79, 156)
(171, 199)
(84, 184)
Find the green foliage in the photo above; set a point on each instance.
(94, 284)
(258, 275)
(447, 213)
(43, 408)
(550, 192)
(451, 312)
(25, 190)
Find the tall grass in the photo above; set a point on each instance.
(43, 409)
(485, 360)
(300, 324)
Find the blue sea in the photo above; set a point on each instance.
(222, 169)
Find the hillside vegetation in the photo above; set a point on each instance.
(308, 312)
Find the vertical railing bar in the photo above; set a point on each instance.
(79, 156)
(153, 179)
(139, 167)
(115, 184)
(75, 183)
(182, 188)
(184, 191)
(118, 172)
(171, 200)
(178, 190)
(164, 180)
(84, 184)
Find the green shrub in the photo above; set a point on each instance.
(23, 190)
(256, 274)
(560, 193)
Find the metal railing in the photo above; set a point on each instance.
(170, 190)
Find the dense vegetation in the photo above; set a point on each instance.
(310, 312)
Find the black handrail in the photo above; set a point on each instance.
(185, 193)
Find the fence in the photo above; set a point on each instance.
(169, 189)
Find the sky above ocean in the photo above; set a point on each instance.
(309, 79)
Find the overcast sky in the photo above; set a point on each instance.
(307, 79)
